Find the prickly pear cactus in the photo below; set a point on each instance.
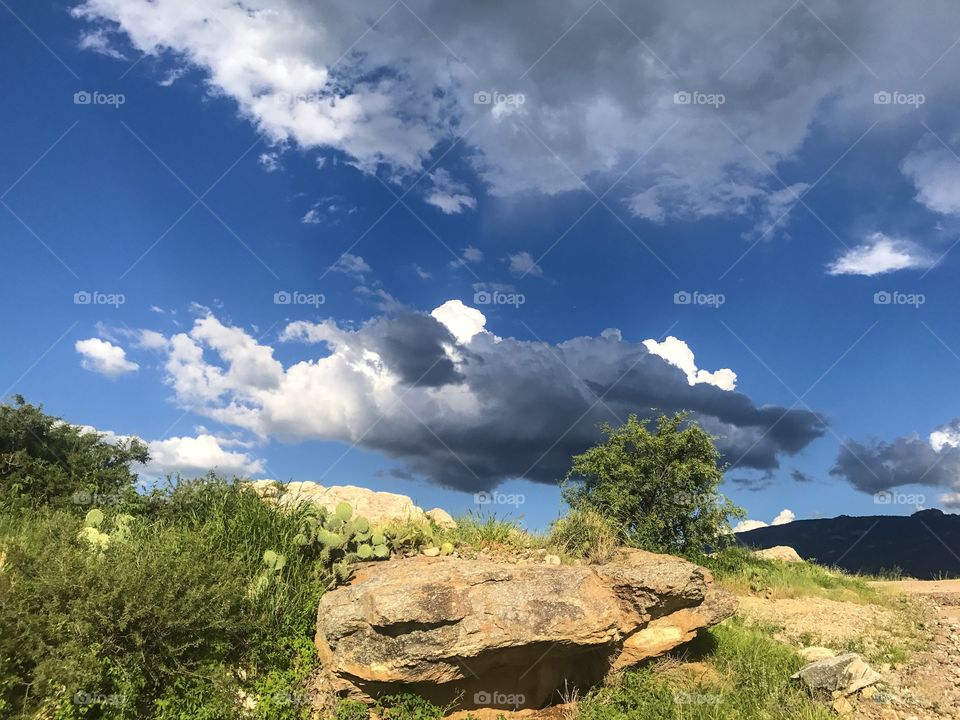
(94, 518)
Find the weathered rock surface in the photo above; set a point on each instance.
(376, 506)
(507, 635)
(783, 553)
(845, 674)
(441, 517)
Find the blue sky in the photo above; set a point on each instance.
(602, 163)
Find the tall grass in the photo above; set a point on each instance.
(170, 621)
(737, 569)
(748, 678)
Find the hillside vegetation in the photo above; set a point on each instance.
(198, 600)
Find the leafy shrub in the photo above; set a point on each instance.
(122, 623)
(584, 534)
(658, 489)
(44, 460)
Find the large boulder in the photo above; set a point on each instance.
(377, 507)
(509, 636)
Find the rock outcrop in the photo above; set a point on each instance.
(783, 553)
(377, 507)
(508, 636)
(844, 674)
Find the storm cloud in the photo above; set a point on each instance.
(455, 403)
(879, 465)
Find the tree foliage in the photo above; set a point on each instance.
(44, 460)
(659, 489)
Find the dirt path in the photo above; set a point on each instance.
(928, 686)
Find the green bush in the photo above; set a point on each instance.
(167, 618)
(658, 489)
(44, 460)
(124, 623)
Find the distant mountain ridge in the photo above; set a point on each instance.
(925, 545)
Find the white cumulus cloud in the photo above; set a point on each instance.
(783, 517)
(881, 254)
(678, 353)
(101, 356)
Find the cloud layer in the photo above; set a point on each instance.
(546, 92)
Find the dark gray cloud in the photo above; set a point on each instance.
(411, 345)
(800, 476)
(880, 465)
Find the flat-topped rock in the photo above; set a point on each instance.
(507, 636)
(377, 507)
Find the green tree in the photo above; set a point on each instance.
(44, 460)
(658, 489)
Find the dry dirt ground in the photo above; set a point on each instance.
(924, 687)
